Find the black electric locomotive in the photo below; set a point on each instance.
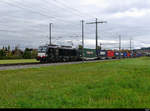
(55, 53)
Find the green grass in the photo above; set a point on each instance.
(17, 61)
(109, 84)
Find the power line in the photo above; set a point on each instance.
(50, 32)
(119, 42)
(24, 8)
(27, 9)
(8, 31)
(62, 6)
(71, 8)
(119, 46)
(82, 40)
(43, 10)
(130, 44)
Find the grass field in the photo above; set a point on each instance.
(17, 61)
(109, 84)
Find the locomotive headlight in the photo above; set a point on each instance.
(42, 55)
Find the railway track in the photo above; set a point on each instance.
(18, 64)
(35, 64)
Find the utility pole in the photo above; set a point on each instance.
(50, 33)
(96, 22)
(100, 46)
(130, 44)
(133, 45)
(82, 40)
(119, 46)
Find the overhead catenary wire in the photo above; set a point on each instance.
(52, 18)
(42, 10)
(32, 11)
(19, 6)
(23, 8)
(71, 8)
(68, 10)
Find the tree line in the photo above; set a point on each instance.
(7, 53)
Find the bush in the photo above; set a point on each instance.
(5, 53)
(2, 53)
(27, 55)
(10, 57)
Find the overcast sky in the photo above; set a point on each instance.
(25, 22)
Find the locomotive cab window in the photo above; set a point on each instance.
(42, 49)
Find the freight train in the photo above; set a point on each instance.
(55, 53)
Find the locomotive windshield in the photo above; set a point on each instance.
(42, 49)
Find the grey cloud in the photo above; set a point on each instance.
(31, 26)
(122, 6)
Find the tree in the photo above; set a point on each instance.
(3, 48)
(27, 54)
(8, 48)
(2, 53)
(17, 52)
(34, 53)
